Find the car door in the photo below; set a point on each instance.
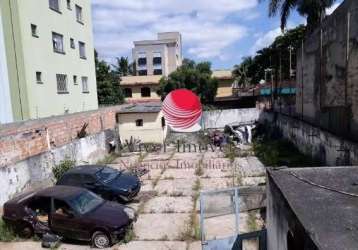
(65, 222)
(92, 184)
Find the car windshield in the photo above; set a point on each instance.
(107, 174)
(85, 202)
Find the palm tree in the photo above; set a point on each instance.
(241, 72)
(314, 10)
(122, 66)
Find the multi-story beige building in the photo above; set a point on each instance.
(153, 59)
(46, 58)
(158, 57)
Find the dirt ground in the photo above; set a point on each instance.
(168, 205)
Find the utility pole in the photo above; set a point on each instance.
(290, 49)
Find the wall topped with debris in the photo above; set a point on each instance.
(218, 119)
(29, 150)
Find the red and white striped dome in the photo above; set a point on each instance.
(182, 109)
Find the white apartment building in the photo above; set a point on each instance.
(153, 59)
(158, 57)
(46, 58)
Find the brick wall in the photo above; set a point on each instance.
(21, 140)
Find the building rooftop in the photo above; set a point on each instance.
(223, 74)
(148, 107)
(325, 201)
(140, 80)
(154, 42)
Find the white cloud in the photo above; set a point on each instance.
(264, 40)
(330, 10)
(203, 24)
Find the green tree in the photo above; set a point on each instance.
(276, 57)
(314, 10)
(196, 77)
(122, 66)
(242, 71)
(108, 89)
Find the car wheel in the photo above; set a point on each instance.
(26, 231)
(100, 240)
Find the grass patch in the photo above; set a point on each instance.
(199, 171)
(176, 194)
(155, 181)
(63, 167)
(251, 222)
(197, 185)
(108, 159)
(230, 152)
(192, 230)
(142, 156)
(281, 152)
(7, 234)
(141, 208)
(164, 238)
(129, 236)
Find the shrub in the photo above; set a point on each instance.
(62, 168)
(6, 233)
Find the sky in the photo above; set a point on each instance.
(219, 31)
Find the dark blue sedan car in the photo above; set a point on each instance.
(109, 183)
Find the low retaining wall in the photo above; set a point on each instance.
(310, 140)
(30, 149)
(217, 119)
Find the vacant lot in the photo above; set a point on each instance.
(168, 205)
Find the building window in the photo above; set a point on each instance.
(54, 5)
(139, 123)
(39, 77)
(85, 88)
(69, 5)
(145, 92)
(142, 61)
(75, 80)
(142, 72)
(62, 84)
(82, 47)
(128, 92)
(72, 43)
(34, 30)
(57, 41)
(157, 58)
(158, 72)
(79, 16)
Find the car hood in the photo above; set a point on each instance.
(124, 181)
(110, 214)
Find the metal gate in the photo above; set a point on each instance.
(228, 219)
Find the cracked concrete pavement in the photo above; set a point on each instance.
(167, 204)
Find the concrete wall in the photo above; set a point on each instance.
(220, 118)
(281, 221)
(151, 131)
(29, 150)
(311, 140)
(36, 171)
(32, 54)
(327, 73)
(277, 224)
